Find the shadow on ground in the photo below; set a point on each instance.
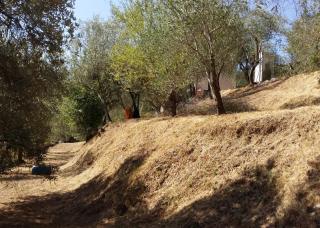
(250, 90)
(234, 102)
(98, 199)
(250, 201)
(232, 105)
(305, 210)
(236, 106)
(301, 101)
(18, 177)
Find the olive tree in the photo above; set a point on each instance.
(304, 38)
(170, 62)
(91, 62)
(210, 30)
(260, 26)
(32, 39)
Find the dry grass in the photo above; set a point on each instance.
(289, 93)
(275, 95)
(249, 169)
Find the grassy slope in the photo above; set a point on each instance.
(257, 168)
(248, 168)
(290, 93)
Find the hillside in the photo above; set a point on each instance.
(289, 93)
(259, 165)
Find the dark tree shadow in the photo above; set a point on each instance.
(18, 177)
(305, 210)
(301, 101)
(249, 201)
(237, 106)
(232, 105)
(98, 199)
(250, 90)
(234, 102)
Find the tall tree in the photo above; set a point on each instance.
(32, 36)
(170, 62)
(260, 26)
(210, 30)
(148, 59)
(304, 38)
(38, 26)
(91, 62)
(129, 62)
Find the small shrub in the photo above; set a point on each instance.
(8, 159)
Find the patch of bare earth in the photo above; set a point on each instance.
(248, 169)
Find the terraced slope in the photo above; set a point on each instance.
(253, 168)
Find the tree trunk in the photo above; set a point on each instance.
(173, 103)
(211, 94)
(251, 75)
(192, 90)
(121, 100)
(256, 61)
(213, 78)
(106, 117)
(20, 156)
(135, 104)
(247, 75)
(217, 93)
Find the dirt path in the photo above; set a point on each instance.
(18, 184)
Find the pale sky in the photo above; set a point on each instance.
(87, 9)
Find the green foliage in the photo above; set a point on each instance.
(261, 25)
(129, 61)
(92, 87)
(209, 29)
(27, 85)
(91, 62)
(304, 43)
(32, 36)
(8, 159)
(211, 32)
(148, 59)
(39, 26)
(148, 52)
(170, 60)
(130, 66)
(240, 79)
(78, 113)
(64, 123)
(89, 110)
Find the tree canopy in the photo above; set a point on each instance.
(304, 38)
(147, 56)
(32, 37)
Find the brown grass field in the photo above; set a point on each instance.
(257, 166)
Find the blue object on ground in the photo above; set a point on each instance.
(41, 170)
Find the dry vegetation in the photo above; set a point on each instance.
(257, 168)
